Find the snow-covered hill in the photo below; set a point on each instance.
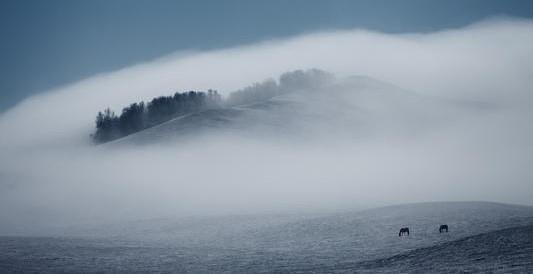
(508, 250)
(361, 240)
(348, 108)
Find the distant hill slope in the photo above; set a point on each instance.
(354, 107)
(507, 250)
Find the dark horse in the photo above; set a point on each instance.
(443, 228)
(404, 230)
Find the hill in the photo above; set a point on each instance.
(360, 240)
(506, 250)
(347, 108)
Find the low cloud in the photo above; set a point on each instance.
(51, 173)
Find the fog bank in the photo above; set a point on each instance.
(468, 138)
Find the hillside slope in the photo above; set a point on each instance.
(506, 250)
(360, 240)
(354, 107)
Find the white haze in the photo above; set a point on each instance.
(50, 173)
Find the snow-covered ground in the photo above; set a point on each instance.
(507, 250)
(362, 240)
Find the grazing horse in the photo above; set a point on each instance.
(443, 228)
(404, 230)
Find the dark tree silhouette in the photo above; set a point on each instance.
(288, 82)
(106, 126)
(139, 116)
(132, 119)
(255, 93)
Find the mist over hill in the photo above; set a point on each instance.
(310, 141)
(399, 118)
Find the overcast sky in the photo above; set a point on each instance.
(46, 44)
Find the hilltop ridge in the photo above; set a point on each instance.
(307, 105)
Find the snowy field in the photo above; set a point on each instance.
(482, 237)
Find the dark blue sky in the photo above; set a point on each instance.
(49, 43)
